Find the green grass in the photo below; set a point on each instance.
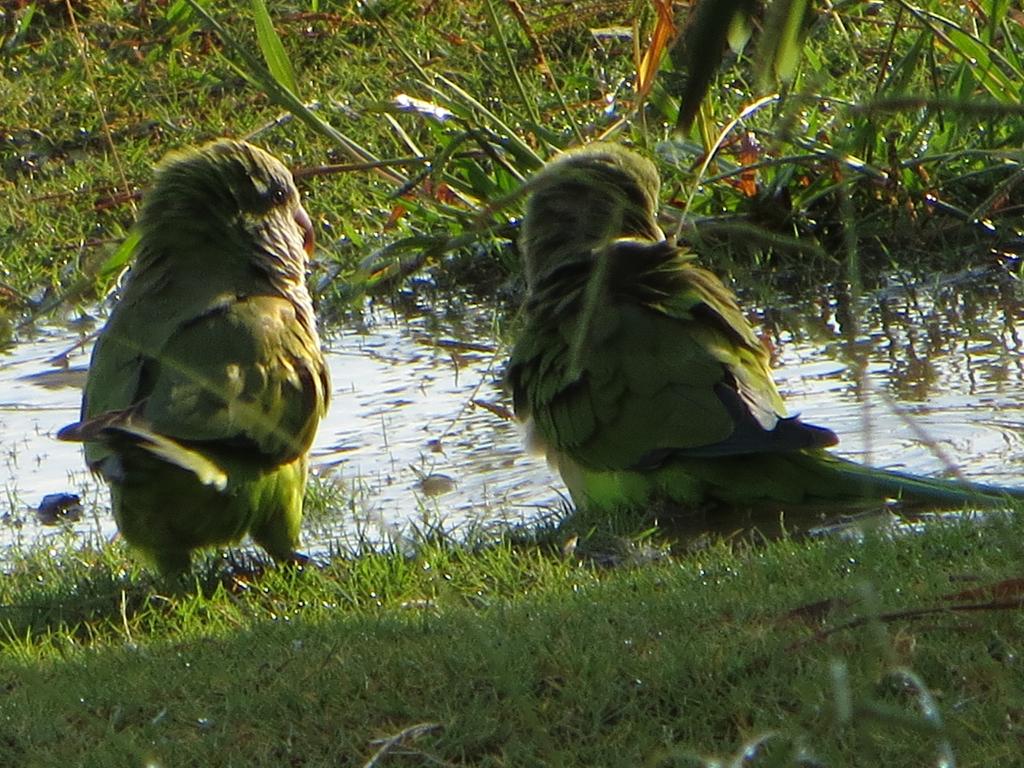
(829, 652)
(90, 107)
(894, 149)
(898, 135)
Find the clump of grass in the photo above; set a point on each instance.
(905, 111)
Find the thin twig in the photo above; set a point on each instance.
(391, 743)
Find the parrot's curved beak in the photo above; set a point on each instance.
(303, 220)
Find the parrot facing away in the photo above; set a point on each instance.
(207, 383)
(639, 377)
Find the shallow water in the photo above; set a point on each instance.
(405, 438)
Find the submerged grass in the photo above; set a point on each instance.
(867, 651)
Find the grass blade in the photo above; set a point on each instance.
(273, 50)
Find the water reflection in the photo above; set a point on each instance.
(406, 430)
(930, 371)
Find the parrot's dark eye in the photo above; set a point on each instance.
(278, 195)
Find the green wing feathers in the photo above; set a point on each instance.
(240, 373)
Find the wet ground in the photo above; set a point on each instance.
(415, 432)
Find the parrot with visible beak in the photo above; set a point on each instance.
(207, 383)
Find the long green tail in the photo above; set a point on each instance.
(799, 479)
(842, 478)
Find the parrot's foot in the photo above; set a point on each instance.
(172, 563)
(297, 559)
(250, 566)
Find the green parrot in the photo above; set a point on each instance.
(639, 377)
(207, 383)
